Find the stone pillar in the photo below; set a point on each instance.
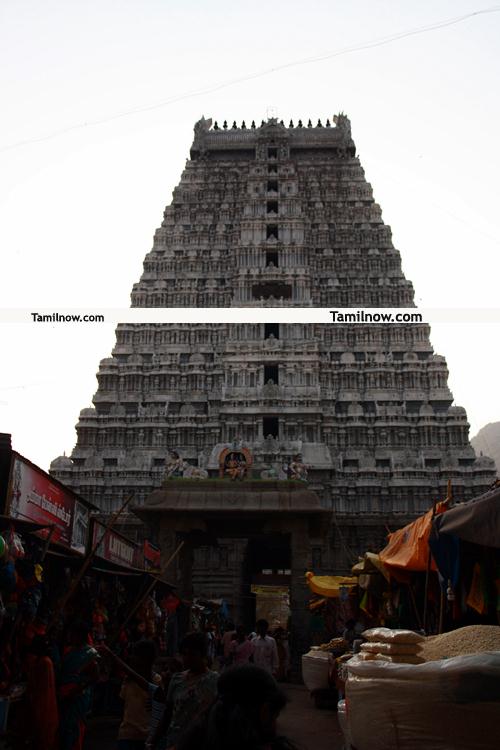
(300, 640)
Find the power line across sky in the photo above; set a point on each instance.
(370, 44)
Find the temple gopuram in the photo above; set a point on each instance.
(274, 448)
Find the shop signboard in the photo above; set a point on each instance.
(34, 496)
(115, 548)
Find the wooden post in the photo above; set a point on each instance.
(429, 558)
(112, 521)
(414, 604)
(441, 611)
(442, 598)
(47, 542)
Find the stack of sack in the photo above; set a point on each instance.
(395, 646)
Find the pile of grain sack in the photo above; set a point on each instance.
(393, 646)
(446, 698)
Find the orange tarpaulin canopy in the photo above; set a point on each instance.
(408, 548)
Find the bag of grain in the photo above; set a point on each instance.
(441, 705)
(472, 639)
(400, 658)
(315, 669)
(387, 635)
(411, 649)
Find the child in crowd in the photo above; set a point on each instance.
(137, 693)
(167, 669)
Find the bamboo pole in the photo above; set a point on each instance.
(429, 558)
(442, 598)
(112, 521)
(47, 542)
(414, 604)
(151, 586)
(441, 611)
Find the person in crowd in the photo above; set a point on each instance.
(281, 639)
(137, 692)
(211, 644)
(41, 695)
(190, 693)
(265, 652)
(349, 633)
(79, 672)
(227, 640)
(244, 716)
(241, 648)
(170, 667)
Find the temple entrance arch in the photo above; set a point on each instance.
(269, 529)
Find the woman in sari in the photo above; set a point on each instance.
(43, 715)
(79, 671)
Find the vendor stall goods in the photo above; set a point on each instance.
(315, 670)
(441, 705)
(473, 639)
(393, 646)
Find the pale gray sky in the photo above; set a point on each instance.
(78, 210)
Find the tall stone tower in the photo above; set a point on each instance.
(278, 216)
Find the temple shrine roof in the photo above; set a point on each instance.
(225, 496)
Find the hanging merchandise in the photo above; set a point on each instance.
(16, 548)
(170, 602)
(343, 593)
(476, 598)
(99, 621)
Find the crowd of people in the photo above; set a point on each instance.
(227, 697)
(203, 699)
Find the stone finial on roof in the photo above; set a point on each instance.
(202, 126)
(343, 123)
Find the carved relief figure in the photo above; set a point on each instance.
(236, 467)
(297, 470)
(177, 468)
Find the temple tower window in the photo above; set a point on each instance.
(270, 426)
(272, 257)
(271, 329)
(271, 372)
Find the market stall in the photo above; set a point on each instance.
(334, 605)
(438, 692)
(465, 543)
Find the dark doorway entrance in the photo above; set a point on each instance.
(266, 580)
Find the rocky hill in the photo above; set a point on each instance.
(487, 441)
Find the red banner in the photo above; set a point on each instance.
(152, 556)
(116, 548)
(34, 496)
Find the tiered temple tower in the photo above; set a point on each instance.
(279, 216)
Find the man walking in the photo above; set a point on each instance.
(265, 653)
